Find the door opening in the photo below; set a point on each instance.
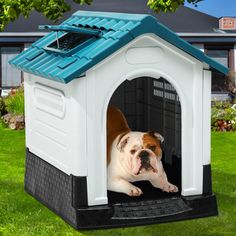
(150, 104)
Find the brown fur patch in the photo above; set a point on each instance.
(149, 141)
(116, 125)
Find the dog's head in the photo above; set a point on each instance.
(142, 151)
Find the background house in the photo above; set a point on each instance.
(216, 37)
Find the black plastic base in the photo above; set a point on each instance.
(59, 192)
(147, 212)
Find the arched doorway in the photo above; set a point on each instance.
(151, 104)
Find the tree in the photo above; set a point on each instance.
(169, 5)
(10, 10)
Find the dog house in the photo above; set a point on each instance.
(159, 81)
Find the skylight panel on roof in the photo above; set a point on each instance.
(69, 41)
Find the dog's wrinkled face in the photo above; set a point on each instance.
(142, 151)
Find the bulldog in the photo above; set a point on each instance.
(133, 156)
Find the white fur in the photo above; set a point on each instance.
(120, 169)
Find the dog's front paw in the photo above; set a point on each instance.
(170, 188)
(135, 191)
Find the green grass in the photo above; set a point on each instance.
(21, 215)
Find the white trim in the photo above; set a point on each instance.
(235, 59)
(224, 35)
(23, 34)
(32, 34)
(206, 116)
(191, 165)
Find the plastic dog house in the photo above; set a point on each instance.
(158, 80)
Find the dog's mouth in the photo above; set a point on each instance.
(144, 167)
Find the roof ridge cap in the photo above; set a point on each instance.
(112, 15)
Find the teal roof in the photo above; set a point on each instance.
(99, 35)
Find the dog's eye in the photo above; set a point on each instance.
(132, 151)
(152, 148)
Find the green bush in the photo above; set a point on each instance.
(15, 102)
(3, 110)
(223, 116)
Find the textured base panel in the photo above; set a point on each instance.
(59, 193)
(151, 209)
(50, 186)
(139, 213)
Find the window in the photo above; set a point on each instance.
(218, 79)
(10, 77)
(219, 55)
(69, 41)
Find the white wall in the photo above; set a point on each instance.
(56, 123)
(183, 71)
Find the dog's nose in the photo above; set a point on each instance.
(144, 155)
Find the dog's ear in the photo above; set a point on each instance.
(157, 136)
(122, 141)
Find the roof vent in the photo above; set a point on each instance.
(227, 23)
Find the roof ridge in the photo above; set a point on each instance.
(112, 15)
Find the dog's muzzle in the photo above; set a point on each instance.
(145, 162)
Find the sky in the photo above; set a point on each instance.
(216, 8)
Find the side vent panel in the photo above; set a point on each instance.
(49, 100)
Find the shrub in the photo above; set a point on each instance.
(223, 117)
(3, 110)
(15, 102)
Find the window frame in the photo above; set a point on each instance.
(5, 45)
(76, 48)
(229, 48)
(219, 47)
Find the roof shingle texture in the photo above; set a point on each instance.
(116, 29)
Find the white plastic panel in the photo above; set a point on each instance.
(206, 137)
(182, 71)
(192, 170)
(134, 55)
(56, 123)
(49, 129)
(49, 100)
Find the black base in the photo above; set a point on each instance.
(59, 192)
(147, 212)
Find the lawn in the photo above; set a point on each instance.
(21, 215)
